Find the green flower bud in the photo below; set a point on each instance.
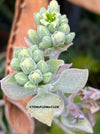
(47, 77)
(69, 38)
(38, 55)
(63, 19)
(53, 6)
(46, 42)
(37, 17)
(42, 31)
(28, 65)
(33, 36)
(16, 52)
(30, 85)
(64, 28)
(42, 10)
(52, 28)
(42, 66)
(15, 64)
(28, 42)
(24, 53)
(35, 76)
(21, 78)
(33, 48)
(58, 38)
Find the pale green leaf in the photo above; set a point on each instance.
(13, 90)
(71, 80)
(42, 100)
(80, 125)
(59, 110)
(54, 65)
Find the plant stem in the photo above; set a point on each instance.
(65, 129)
(1, 102)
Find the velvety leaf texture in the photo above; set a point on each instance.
(80, 125)
(54, 65)
(14, 91)
(38, 106)
(71, 80)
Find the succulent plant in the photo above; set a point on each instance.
(31, 68)
(53, 30)
(39, 73)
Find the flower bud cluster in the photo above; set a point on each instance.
(31, 68)
(53, 29)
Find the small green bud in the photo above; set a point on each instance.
(42, 31)
(21, 78)
(28, 65)
(47, 77)
(42, 10)
(16, 52)
(69, 38)
(37, 17)
(38, 55)
(63, 19)
(30, 85)
(33, 36)
(42, 66)
(33, 48)
(24, 53)
(35, 76)
(58, 38)
(64, 28)
(46, 42)
(15, 64)
(52, 28)
(28, 42)
(53, 6)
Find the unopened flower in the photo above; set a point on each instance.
(15, 64)
(35, 76)
(46, 42)
(42, 66)
(21, 78)
(28, 65)
(30, 85)
(47, 77)
(58, 38)
(38, 55)
(33, 36)
(69, 38)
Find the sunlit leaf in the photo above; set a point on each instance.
(43, 106)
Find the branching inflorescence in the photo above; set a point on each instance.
(52, 82)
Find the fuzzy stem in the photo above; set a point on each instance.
(65, 129)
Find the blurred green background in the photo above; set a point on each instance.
(85, 53)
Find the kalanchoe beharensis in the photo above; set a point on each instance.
(53, 30)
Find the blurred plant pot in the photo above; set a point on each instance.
(15, 111)
(91, 5)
